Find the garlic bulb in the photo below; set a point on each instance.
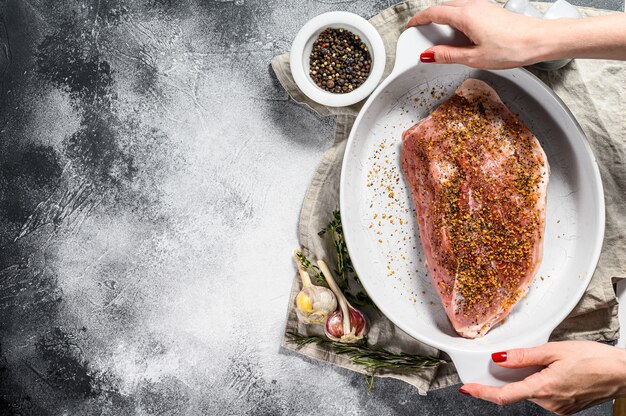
(334, 326)
(347, 324)
(313, 303)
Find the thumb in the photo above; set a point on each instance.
(543, 355)
(444, 54)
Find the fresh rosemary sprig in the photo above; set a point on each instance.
(372, 358)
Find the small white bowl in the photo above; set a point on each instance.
(303, 44)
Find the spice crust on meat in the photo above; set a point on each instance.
(478, 177)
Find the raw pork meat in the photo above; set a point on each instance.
(478, 178)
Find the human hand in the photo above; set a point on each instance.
(501, 39)
(577, 375)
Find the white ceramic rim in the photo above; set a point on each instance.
(307, 35)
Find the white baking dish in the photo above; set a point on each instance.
(403, 291)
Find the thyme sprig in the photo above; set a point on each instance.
(373, 359)
(334, 227)
(344, 263)
(360, 299)
(318, 276)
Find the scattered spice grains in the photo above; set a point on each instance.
(392, 215)
(383, 179)
(340, 61)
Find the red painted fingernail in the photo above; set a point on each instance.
(427, 57)
(498, 357)
(465, 392)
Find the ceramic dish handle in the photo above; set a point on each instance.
(477, 367)
(413, 41)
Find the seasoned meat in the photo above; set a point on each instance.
(478, 178)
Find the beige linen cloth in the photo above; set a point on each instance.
(595, 92)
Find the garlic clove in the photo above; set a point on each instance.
(304, 303)
(354, 325)
(334, 326)
(314, 304)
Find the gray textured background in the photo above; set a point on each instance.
(151, 175)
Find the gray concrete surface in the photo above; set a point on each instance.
(151, 175)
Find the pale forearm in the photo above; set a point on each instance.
(601, 37)
(502, 39)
